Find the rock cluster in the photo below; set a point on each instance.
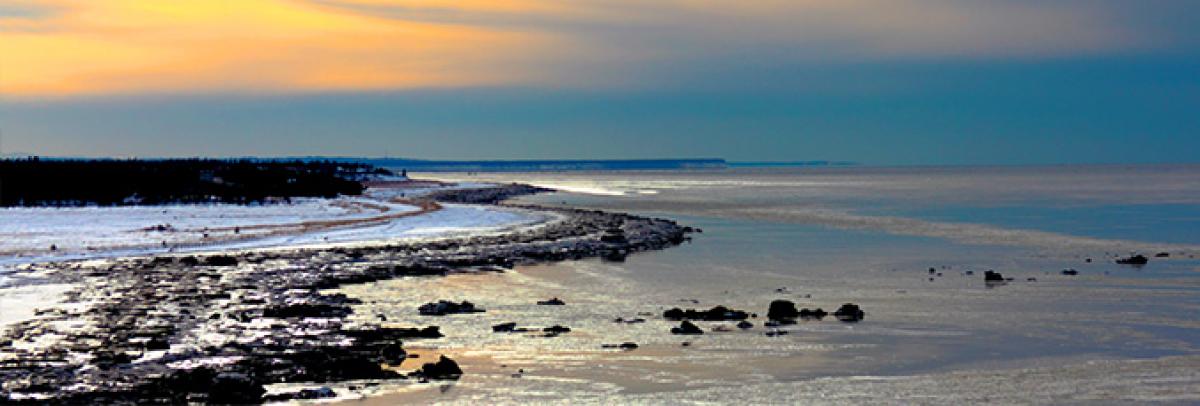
(216, 329)
(719, 313)
(1134, 260)
(444, 307)
(784, 312)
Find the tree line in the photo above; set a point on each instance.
(110, 182)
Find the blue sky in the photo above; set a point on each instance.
(919, 82)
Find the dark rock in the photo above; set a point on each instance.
(614, 255)
(745, 325)
(992, 276)
(773, 333)
(687, 328)
(719, 313)
(444, 368)
(1070, 272)
(629, 321)
(220, 260)
(232, 387)
(393, 354)
(615, 236)
(849, 313)
(301, 310)
(782, 310)
(556, 329)
(1134, 260)
(504, 328)
(552, 302)
(444, 307)
(1162, 255)
(157, 343)
(817, 314)
(623, 346)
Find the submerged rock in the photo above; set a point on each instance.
(624, 346)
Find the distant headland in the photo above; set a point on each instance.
(421, 165)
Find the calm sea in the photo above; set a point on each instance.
(827, 236)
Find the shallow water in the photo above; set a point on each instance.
(863, 235)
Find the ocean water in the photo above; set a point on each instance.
(824, 237)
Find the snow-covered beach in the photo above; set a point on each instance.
(43, 234)
(37, 234)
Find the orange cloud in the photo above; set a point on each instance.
(113, 46)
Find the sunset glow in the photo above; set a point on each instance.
(73, 47)
(82, 47)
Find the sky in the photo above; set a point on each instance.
(895, 82)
